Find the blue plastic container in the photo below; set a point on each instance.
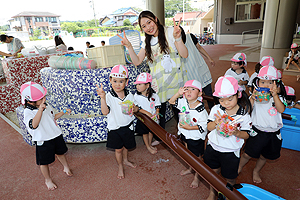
(291, 137)
(262, 95)
(252, 192)
(295, 113)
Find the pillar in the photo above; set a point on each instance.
(158, 8)
(279, 26)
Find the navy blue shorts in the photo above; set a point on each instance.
(195, 146)
(266, 144)
(141, 128)
(122, 137)
(45, 154)
(287, 61)
(227, 161)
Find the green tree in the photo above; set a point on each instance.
(4, 28)
(91, 23)
(70, 27)
(126, 22)
(36, 33)
(176, 6)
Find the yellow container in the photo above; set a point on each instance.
(107, 56)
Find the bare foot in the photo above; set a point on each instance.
(120, 172)
(195, 183)
(152, 151)
(256, 177)
(68, 172)
(154, 148)
(50, 185)
(130, 164)
(185, 172)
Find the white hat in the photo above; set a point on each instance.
(268, 73)
(194, 84)
(226, 86)
(267, 61)
(32, 91)
(238, 57)
(119, 71)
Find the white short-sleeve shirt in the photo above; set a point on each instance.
(265, 116)
(231, 143)
(296, 55)
(47, 128)
(239, 77)
(198, 116)
(251, 79)
(171, 39)
(146, 104)
(115, 117)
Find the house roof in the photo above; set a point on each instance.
(103, 18)
(122, 11)
(33, 14)
(133, 19)
(189, 15)
(109, 22)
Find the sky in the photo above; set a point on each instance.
(71, 10)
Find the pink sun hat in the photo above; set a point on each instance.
(119, 71)
(294, 46)
(143, 78)
(268, 73)
(226, 86)
(267, 61)
(194, 84)
(289, 91)
(238, 57)
(32, 91)
(279, 74)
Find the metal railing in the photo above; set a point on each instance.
(258, 36)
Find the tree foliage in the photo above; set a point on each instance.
(126, 22)
(70, 27)
(176, 6)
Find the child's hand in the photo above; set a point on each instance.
(42, 106)
(253, 96)
(100, 91)
(274, 89)
(184, 125)
(181, 91)
(67, 111)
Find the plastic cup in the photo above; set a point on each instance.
(224, 128)
(262, 95)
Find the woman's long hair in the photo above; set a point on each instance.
(163, 44)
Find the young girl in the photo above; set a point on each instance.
(223, 151)
(265, 61)
(149, 104)
(193, 128)
(120, 135)
(265, 139)
(293, 57)
(41, 125)
(238, 71)
(163, 48)
(291, 97)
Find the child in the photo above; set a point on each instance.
(291, 97)
(103, 43)
(238, 70)
(120, 126)
(222, 153)
(265, 61)
(149, 104)
(293, 57)
(192, 130)
(265, 139)
(41, 125)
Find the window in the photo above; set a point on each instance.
(38, 19)
(250, 10)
